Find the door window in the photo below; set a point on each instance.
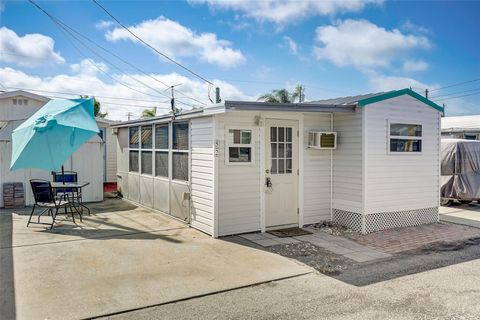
(281, 150)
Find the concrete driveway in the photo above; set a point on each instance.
(120, 258)
(466, 214)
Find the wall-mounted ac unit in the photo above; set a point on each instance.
(322, 140)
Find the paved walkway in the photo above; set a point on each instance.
(336, 244)
(409, 238)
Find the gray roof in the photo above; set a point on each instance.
(461, 123)
(347, 100)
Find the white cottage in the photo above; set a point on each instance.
(15, 108)
(369, 162)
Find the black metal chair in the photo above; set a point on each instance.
(45, 198)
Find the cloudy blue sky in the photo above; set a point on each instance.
(334, 48)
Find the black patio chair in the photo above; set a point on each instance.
(45, 198)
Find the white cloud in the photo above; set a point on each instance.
(362, 44)
(414, 28)
(292, 45)
(102, 24)
(88, 67)
(31, 50)
(381, 82)
(177, 41)
(415, 65)
(287, 11)
(86, 82)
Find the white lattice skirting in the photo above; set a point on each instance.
(384, 220)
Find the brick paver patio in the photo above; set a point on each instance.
(409, 238)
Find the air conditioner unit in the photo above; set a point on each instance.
(322, 140)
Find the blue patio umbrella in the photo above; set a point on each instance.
(51, 135)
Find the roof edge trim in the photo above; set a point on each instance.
(397, 93)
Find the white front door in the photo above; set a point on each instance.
(281, 164)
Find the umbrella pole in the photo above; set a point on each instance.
(63, 175)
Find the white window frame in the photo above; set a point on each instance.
(134, 149)
(187, 151)
(229, 144)
(141, 149)
(389, 137)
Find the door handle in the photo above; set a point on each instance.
(267, 171)
(268, 182)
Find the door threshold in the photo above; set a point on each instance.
(282, 226)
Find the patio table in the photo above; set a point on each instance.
(72, 185)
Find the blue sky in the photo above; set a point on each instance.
(245, 47)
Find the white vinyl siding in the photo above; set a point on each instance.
(347, 162)
(403, 181)
(238, 185)
(202, 173)
(316, 172)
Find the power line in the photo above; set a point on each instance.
(89, 94)
(454, 93)
(151, 47)
(125, 61)
(461, 96)
(116, 104)
(455, 84)
(66, 32)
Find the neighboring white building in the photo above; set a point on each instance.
(461, 127)
(16, 107)
(109, 149)
(369, 162)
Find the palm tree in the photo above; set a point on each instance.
(149, 113)
(283, 96)
(96, 107)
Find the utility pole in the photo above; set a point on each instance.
(217, 95)
(172, 100)
(426, 93)
(129, 114)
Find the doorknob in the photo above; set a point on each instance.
(268, 182)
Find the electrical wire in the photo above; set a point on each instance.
(125, 61)
(88, 94)
(149, 46)
(455, 93)
(66, 33)
(116, 104)
(455, 84)
(461, 96)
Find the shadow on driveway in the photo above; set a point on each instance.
(7, 287)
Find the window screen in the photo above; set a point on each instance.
(405, 145)
(180, 166)
(146, 162)
(180, 136)
(405, 130)
(147, 137)
(133, 161)
(161, 136)
(161, 164)
(133, 134)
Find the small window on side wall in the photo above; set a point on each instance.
(239, 146)
(405, 138)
